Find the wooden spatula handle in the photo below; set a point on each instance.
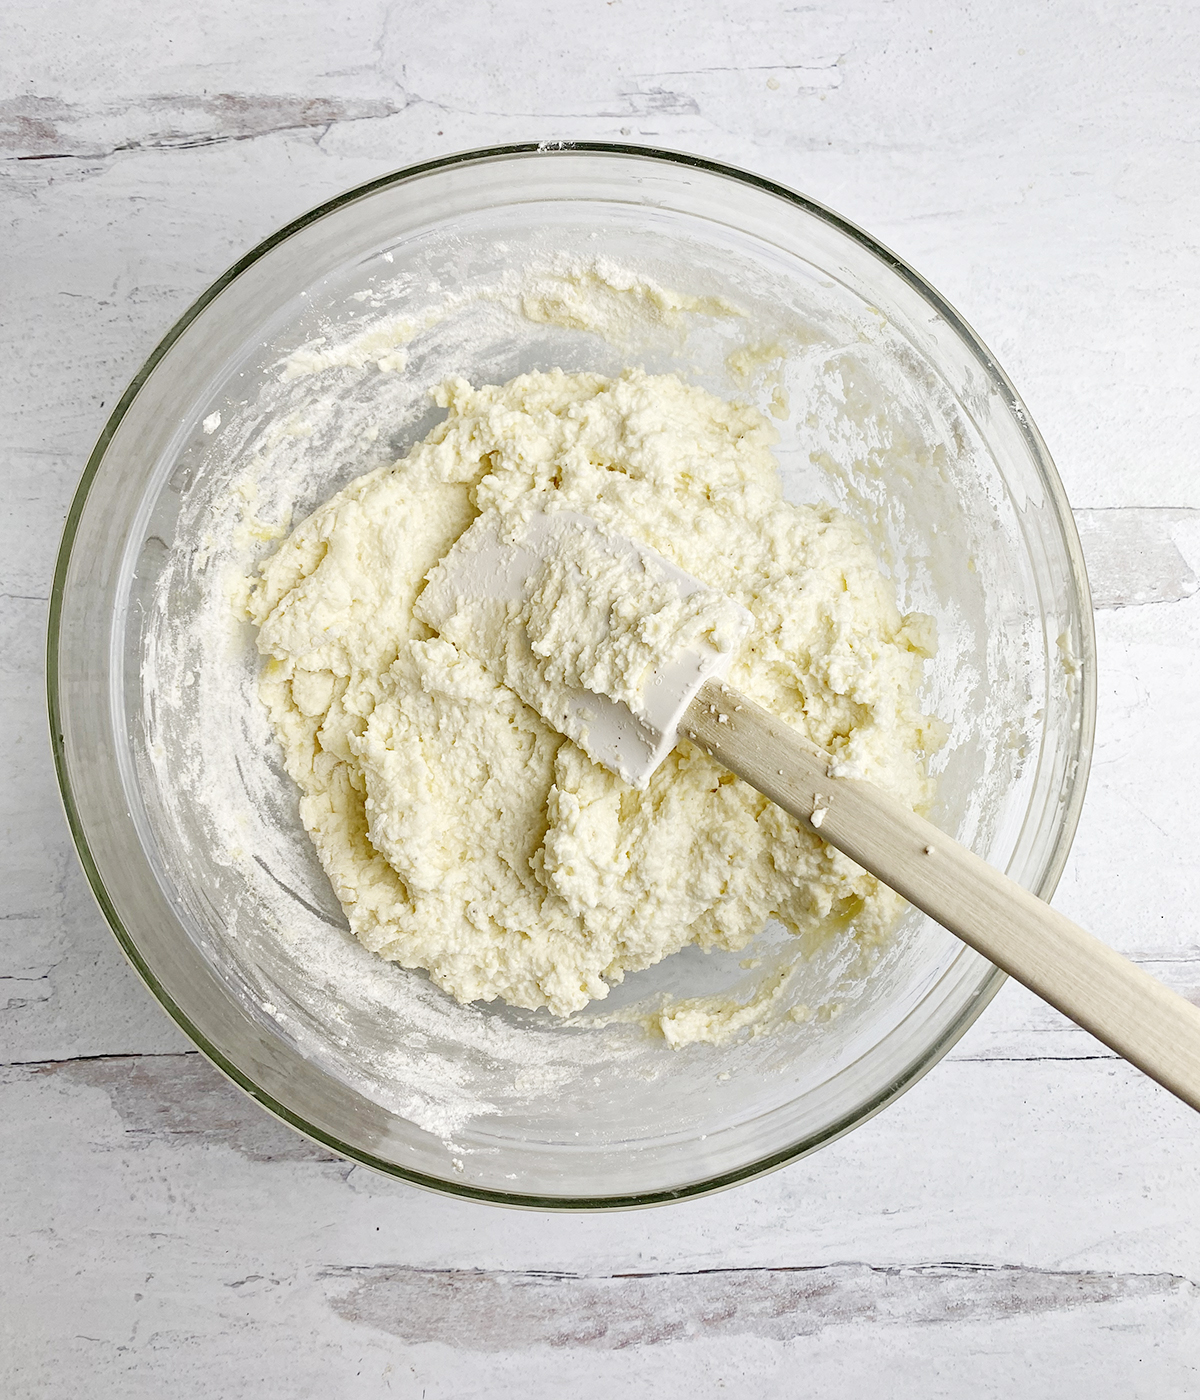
(1106, 994)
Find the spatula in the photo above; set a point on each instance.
(532, 604)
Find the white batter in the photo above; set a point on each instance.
(463, 835)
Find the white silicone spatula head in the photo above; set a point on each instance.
(605, 638)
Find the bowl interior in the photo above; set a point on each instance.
(311, 364)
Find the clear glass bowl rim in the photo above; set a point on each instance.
(992, 979)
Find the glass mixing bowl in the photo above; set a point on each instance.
(309, 363)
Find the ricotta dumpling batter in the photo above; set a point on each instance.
(461, 833)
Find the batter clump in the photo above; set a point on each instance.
(461, 833)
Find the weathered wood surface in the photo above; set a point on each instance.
(1023, 1222)
(163, 1227)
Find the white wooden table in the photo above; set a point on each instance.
(1024, 1222)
